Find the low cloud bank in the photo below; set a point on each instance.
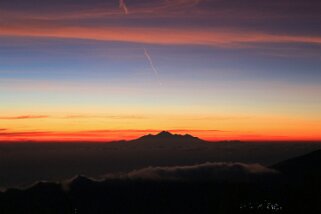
(206, 171)
(209, 172)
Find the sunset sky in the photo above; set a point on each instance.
(101, 70)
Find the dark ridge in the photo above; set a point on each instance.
(81, 180)
(303, 167)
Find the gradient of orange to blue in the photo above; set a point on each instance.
(95, 70)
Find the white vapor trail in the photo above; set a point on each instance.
(123, 6)
(152, 65)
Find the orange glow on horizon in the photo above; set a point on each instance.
(116, 135)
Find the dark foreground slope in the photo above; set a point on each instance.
(139, 195)
(304, 168)
(203, 188)
(303, 182)
(303, 186)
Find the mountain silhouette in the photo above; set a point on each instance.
(166, 137)
(80, 180)
(302, 184)
(303, 167)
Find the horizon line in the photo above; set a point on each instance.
(210, 135)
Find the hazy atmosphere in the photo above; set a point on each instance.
(160, 106)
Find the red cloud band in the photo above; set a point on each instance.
(165, 36)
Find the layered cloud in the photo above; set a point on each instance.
(224, 9)
(193, 22)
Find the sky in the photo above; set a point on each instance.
(95, 70)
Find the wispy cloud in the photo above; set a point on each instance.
(99, 135)
(116, 117)
(196, 130)
(73, 116)
(102, 10)
(22, 117)
(123, 6)
(152, 65)
(214, 118)
(226, 23)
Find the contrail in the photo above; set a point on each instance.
(152, 65)
(123, 6)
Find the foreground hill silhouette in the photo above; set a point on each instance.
(303, 182)
(308, 166)
(203, 188)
